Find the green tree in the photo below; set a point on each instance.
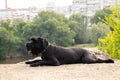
(100, 14)
(99, 30)
(111, 43)
(19, 28)
(7, 38)
(79, 25)
(13, 37)
(54, 27)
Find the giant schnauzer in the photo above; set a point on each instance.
(55, 55)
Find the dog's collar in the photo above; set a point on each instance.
(45, 49)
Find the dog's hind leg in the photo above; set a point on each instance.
(89, 58)
(105, 61)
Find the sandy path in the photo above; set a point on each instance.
(21, 71)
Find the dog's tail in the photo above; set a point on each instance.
(105, 61)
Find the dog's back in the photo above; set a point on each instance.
(68, 55)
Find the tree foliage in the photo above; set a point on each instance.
(99, 30)
(7, 38)
(53, 27)
(78, 24)
(100, 14)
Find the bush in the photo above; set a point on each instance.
(111, 44)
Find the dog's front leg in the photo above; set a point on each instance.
(34, 61)
(51, 62)
(40, 63)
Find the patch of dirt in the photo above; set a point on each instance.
(21, 71)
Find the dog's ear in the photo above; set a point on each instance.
(39, 39)
(33, 39)
(45, 43)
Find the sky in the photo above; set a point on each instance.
(36, 3)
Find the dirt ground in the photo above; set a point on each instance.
(21, 71)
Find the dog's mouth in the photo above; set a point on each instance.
(30, 51)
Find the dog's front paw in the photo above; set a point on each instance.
(34, 65)
(28, 62)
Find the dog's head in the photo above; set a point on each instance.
(36, 45)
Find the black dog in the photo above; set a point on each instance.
(55, 55)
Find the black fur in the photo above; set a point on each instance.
(55, 55)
